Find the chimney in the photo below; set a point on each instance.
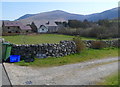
(47, 23)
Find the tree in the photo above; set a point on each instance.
(34, 27)
(104, 22)
(78, 24)
(86, 23)
(65, 24)
(75, 23)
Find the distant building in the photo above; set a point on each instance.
(15, 27)
(42, 29)
(47, 27)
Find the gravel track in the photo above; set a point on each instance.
(85, 73)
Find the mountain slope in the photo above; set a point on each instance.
(25, 16)
(59, 15)
(109, 14)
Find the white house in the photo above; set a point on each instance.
(42, 29)
(47, 27)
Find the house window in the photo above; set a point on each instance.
(17, 31)
(8, 27)
(42, 29)
(9, 31)
(27, 31)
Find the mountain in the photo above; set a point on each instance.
(25, 16)
(108, 14)
(59, 15)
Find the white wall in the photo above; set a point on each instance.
(42, 29)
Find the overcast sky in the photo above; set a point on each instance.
(12, 10)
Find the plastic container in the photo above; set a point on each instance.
(6, 50)
(14, 58)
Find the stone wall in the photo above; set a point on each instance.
(44, 50)
(109, 43)
(53, 50)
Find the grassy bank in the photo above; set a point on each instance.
(73, 58)
(41, 38)
(111, 80)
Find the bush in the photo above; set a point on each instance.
(98, 45)
(80, 46)
(67, 31)
(104, 36)
(118, 43)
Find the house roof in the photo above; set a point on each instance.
(42, 26)
(16, 23)
(45, 23)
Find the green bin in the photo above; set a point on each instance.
(6, 50)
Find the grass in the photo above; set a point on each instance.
(40, 38)
(37, 39)
(111, 80)
(86, 55)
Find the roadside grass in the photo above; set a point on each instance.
(41, 38)
(112, 79)
(86, 55)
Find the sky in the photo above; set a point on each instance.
(12, 9)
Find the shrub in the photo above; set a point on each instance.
(118, 43)
(98, 45)
(80, 46)
(103, 36)
(67, 31)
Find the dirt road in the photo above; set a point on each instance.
(86, 73)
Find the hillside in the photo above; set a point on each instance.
(59, 15)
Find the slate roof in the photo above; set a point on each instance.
(51, 23)
(16, 23)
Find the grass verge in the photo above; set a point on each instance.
(111, 80)
(86, 55)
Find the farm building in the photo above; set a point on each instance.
(42, 29)
(47, 27)
(14, 27)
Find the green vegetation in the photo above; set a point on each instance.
(37, 39)
(100, 29)
(80, 46)
(85, 55)
(98, 45)
(111, 80)
(41, 38)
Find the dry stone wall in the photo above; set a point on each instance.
(53, 50)
(44, 50)
(109, 43)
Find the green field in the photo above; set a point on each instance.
(40, 38)
(37, 39)
(86, 55)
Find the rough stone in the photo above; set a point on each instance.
(49, 50)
